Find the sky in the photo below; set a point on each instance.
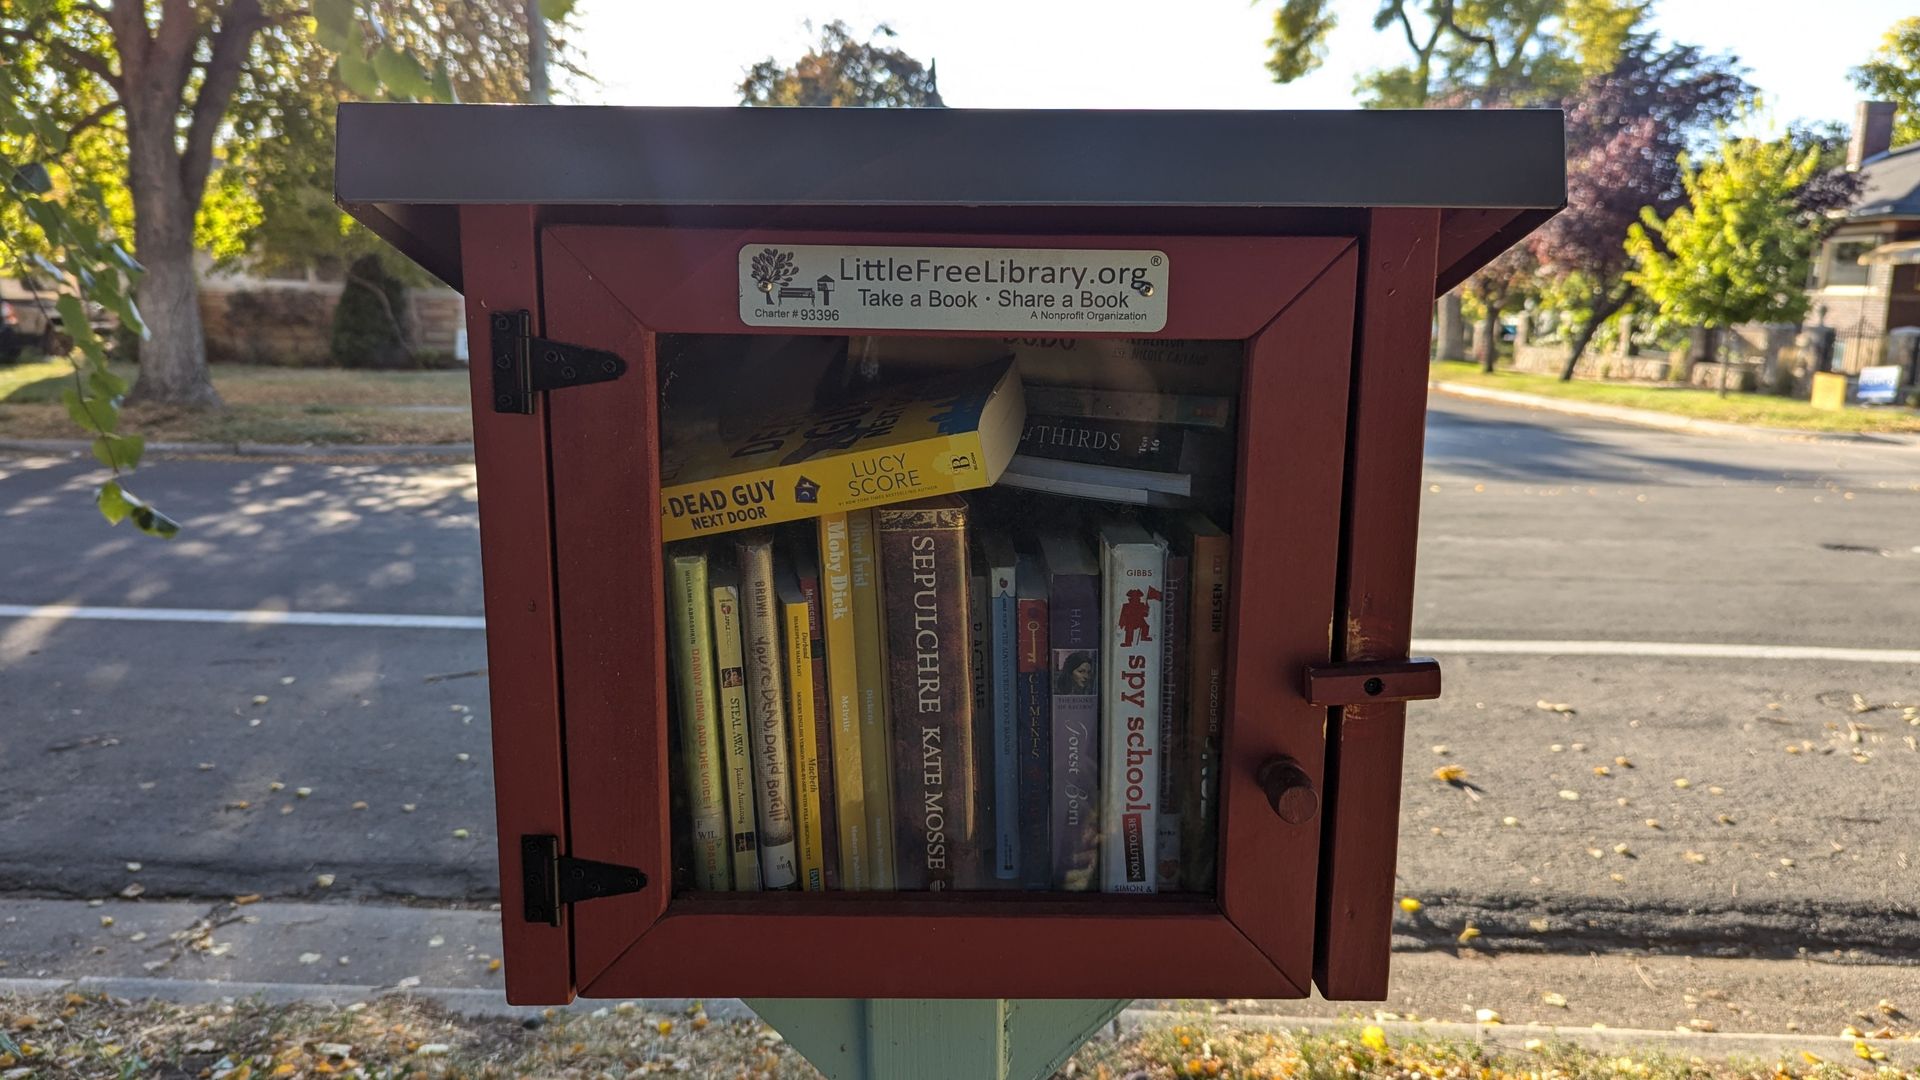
(1153, 54)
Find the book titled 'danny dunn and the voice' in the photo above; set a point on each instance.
(891, 675)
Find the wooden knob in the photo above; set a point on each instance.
(1289, 790)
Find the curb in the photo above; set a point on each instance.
(283, 451)
(1667, 421)
(493, 1004)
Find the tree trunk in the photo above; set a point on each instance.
(1489, 339)
(1452, 338)
(173, 359)
(1604, 305)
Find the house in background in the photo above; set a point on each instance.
(1867, 281)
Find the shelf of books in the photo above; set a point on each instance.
(946, 615)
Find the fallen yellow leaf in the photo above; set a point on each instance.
(1558, 1001)
(1469, 933)
(1411, 906)
(1694, 857)
(1486, 1016)
(1374, 1038)
(1450, 774)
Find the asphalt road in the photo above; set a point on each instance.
(130, 742)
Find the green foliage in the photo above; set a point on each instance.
(840, 71)
(1892, 73)
(1299, 41)
(1741, 247)
(252, 131)
(1464, 52)
(369, 321)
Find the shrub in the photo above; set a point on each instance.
(369, 321)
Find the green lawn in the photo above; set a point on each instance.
(1761, 410)
(264, 405)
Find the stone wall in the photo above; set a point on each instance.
(1549, 359)
(290, 324)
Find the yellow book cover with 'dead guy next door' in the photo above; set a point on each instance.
(954, 432)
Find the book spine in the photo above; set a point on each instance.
(1197, 410)
(1001, 636)
(822, 726)
(1173, 703)
(842, 715)
(980, 667)
(1074, 635)
(691, 632)
(1131, 576)
(735, 732)
(1035, 713)
(766, 705)
(826, 484)
(923, 560)
(1206, 708)
(809, 828)
(870, 665)
(1103, 441)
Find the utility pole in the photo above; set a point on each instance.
(536, 54)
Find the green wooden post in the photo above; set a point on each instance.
(911, 1039)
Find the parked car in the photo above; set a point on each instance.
(28, 317)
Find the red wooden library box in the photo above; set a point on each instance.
(592, 242)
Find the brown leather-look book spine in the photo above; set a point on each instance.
(923, 574)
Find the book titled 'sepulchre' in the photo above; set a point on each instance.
(735, 727)
(767, 711)
(1133, 565)
(690, 631)
(923, 571)
(950, 433)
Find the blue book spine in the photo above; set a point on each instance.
(1002, 641)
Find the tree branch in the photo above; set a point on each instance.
(174, 46)
(91, 119)
(128, 18)
(87, 61)
(231, 43)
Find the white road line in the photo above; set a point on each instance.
(1485, 646)
(1667, 649)
(244, 618)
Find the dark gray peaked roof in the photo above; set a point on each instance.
(402, 168)
(1889, 185)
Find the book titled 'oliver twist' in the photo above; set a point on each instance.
(954, 432)
(1133, 565)
(923, 574)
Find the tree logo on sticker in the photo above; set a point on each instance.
(774, 270)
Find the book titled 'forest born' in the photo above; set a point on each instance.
(1073, 636)
(953, 432)
(690, 628)
(766, 707)
(1133, 564)
(923, 573)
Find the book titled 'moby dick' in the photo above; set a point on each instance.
(954, 432)
(1133, 566)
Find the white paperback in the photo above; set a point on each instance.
(1133, 566)
(766, 709)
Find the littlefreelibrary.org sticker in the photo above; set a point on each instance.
(1055, 290)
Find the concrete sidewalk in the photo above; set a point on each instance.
(283, 951)
(1667, 421)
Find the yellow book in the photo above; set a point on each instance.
(843, 696)
(870, 670)
(954, 432)
(802, 734)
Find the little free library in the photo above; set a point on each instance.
(948, 554)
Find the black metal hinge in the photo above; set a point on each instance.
(550, 879)
(523, 364)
